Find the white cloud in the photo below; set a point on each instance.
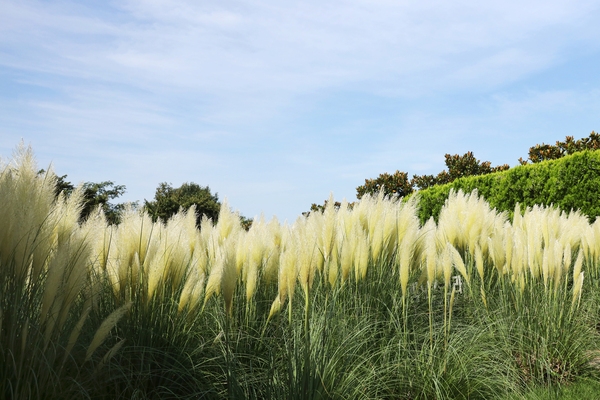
(260, 47)
(258, 97)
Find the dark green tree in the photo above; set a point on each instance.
(62, 185)
(168, 200)
(543, 152)
(100, 195)
(94, 195)
(458, 167)
(246, 222)
(321, 208)
(396, 184)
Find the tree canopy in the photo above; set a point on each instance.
(398, 184)
(95, 195)
(168, 200)
(543, 152)
(101, 194)
(458, 166)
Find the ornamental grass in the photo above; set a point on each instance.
(352, 302)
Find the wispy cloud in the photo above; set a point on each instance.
(276, 103)
(258, 46)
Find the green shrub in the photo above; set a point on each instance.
(569, 183)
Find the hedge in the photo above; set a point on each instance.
(569, 183)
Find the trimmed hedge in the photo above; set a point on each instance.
(569, 183)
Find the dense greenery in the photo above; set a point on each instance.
(398, 183)
(101, 195)
(169, 200)
(543, 152)
(569, 183)
(95, 194)
(166, 203)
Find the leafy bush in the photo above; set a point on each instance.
(569, 183)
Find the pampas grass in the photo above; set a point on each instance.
(46, 290)
(164, 309)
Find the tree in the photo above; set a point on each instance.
(62, 185)
(94, 195)
(100, 195)
(396, 184)
(458, 167)
(321, 208)
(168, 200)
(543, 152)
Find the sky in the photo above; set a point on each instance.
(276, 104)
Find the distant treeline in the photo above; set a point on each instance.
(566, 174)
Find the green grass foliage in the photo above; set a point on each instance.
(569, 183)
(349, 303)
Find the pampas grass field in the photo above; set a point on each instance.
(352, 303)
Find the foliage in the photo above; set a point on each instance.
(62, 185)
(100, 195)
(399, 185)
(169, 200)
(543, 152)
(458, 167)
(246, 222)
(396, 184)
(585, 388)
(569, 183)
(94, 195)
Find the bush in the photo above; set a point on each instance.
(569, 183)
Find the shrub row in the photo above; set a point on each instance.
(569, 183)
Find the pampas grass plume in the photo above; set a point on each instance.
(447, 264)
(213, 284)
(333, 267)
(348, 248)
(578, 265)
(188, 288)
(479, 263)
(459, 264)
(361, 259)
(229, 276)
(105, 329)
(577, 289)
(306, 252)
(430, 251)
(328, 227)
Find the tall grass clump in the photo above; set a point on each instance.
(551, 335)
(158, 268)
(46, 295)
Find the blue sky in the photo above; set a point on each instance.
(276, 104)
